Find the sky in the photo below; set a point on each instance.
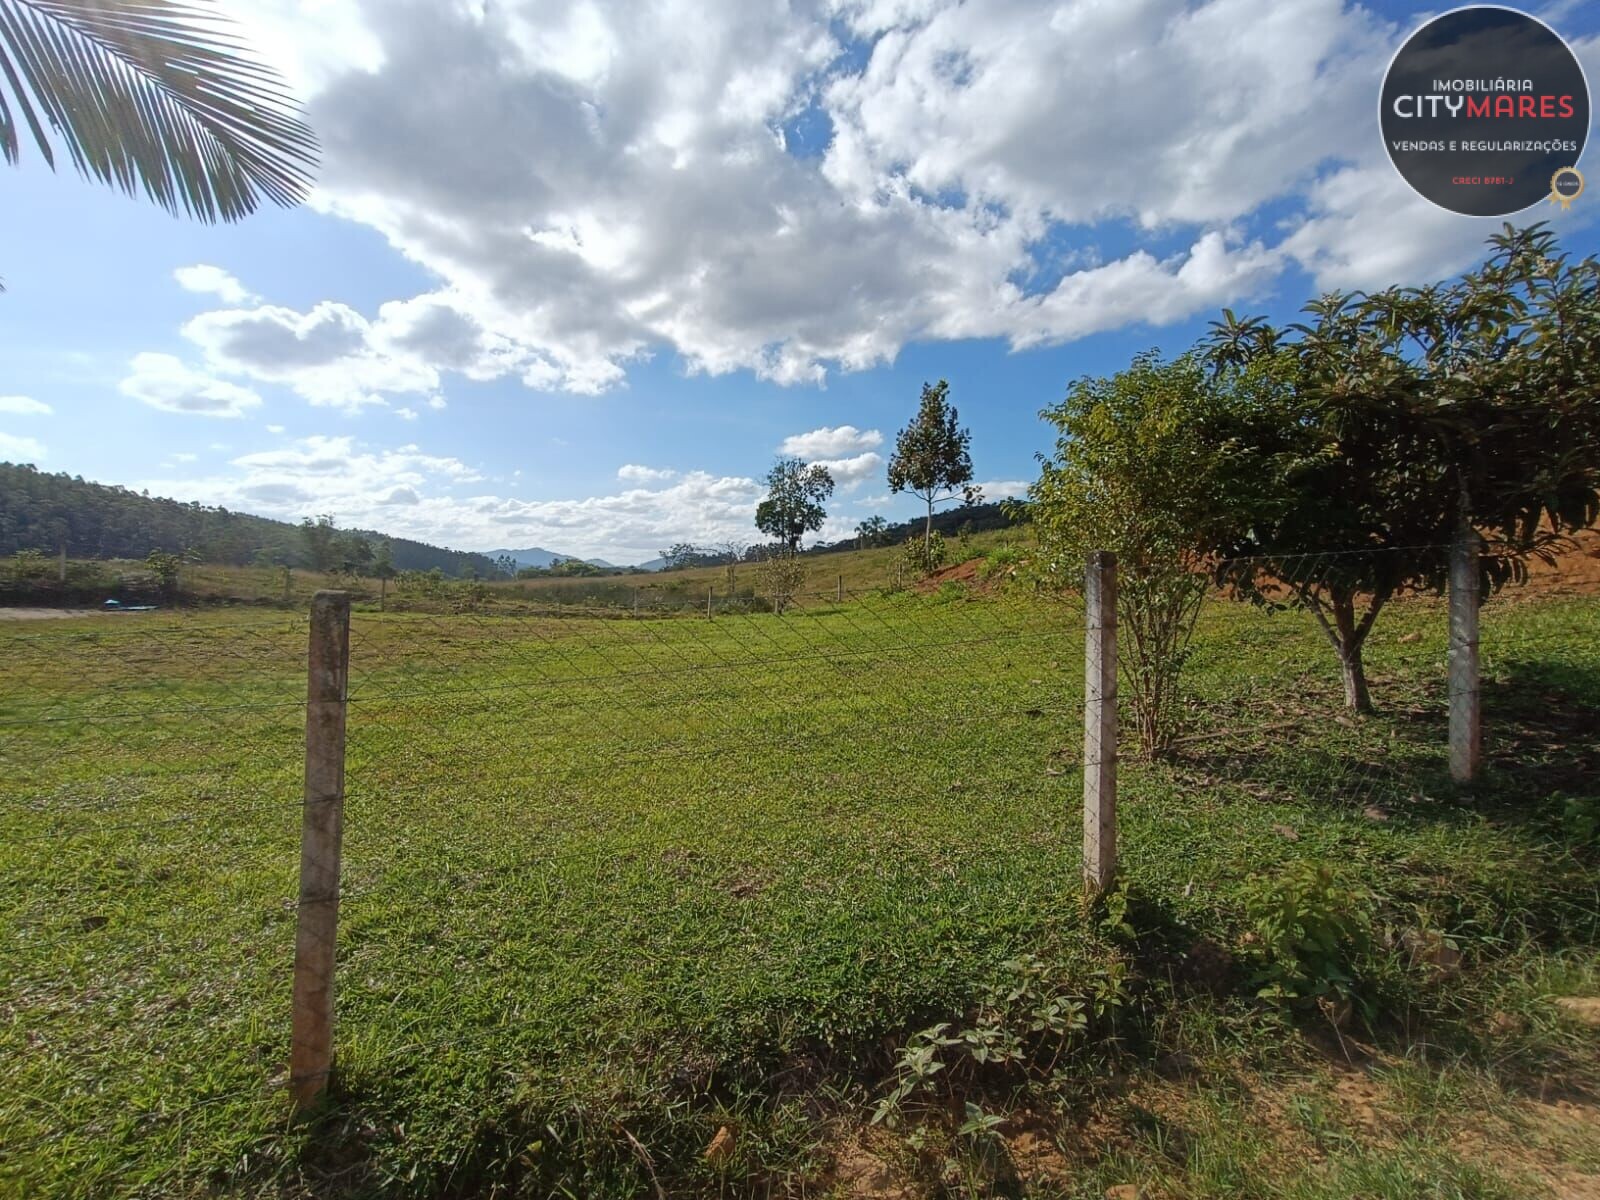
(574, 273)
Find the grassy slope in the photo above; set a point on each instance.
(665, 875)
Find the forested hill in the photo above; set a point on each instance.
(40, 511)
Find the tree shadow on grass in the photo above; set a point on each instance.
(1541, 723)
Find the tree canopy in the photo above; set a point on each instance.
(931, 458)
(793, 505)
(1385, 425)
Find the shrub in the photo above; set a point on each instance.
(780, 576)
(925, 555)
(1308, 927)
(1027, 1027)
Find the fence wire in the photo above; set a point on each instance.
(557, 813)
(509, 775)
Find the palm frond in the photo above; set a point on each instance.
(152, 95)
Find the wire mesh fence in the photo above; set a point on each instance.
(566, 820)
(526, 791)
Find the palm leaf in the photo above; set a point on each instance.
(152, 95)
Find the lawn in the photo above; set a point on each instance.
(612, 885)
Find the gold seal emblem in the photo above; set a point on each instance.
(1566, 185)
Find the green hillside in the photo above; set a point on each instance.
(42, 511)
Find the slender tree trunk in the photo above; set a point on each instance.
(927, 537)
(1356, 696)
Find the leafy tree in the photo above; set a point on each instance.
(154, 96)
(166, 567)
(679, 555)
(1133, 473)
(871, 532)
(793, 507)
(1388, 424)
(383, 561)
(353, 551)
(319, 535)
(506, 565)
(930, 457)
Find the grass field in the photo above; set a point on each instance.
(614, 885)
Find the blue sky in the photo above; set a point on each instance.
(619, 276)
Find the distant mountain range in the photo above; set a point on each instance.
(534, 556)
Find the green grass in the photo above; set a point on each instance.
(613, 879)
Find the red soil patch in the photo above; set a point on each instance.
(1574, 573)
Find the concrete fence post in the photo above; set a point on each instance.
(1466, 720)
(322, 830)
(710, 594)
(841, 589)
(1100, 724)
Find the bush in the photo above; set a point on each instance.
(1001, 561)
(925, 556)
(781, 576)
(1032, 1026)
(1307, 929)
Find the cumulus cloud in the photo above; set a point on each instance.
(634, 473)
(24, 406)
(324, 354)
(852, 472)
(213, 281)
(797, 189)
(20, 449)
(163, 381)
(831, 442)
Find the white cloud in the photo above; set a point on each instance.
(183, 456)
(1003, 489)
(20, 449)
(213, 281)
(849, 473)
(650, 188)
(831, 442)
(323, 354)
(410, 493)
(647, 190)
(163, 381)
(634, 473)
(274, 428)
(406, 414)
(24, 406)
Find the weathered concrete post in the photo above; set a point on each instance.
(1100, 724)
(322, 830)
(1466, 721)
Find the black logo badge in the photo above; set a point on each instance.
(1482, 109)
